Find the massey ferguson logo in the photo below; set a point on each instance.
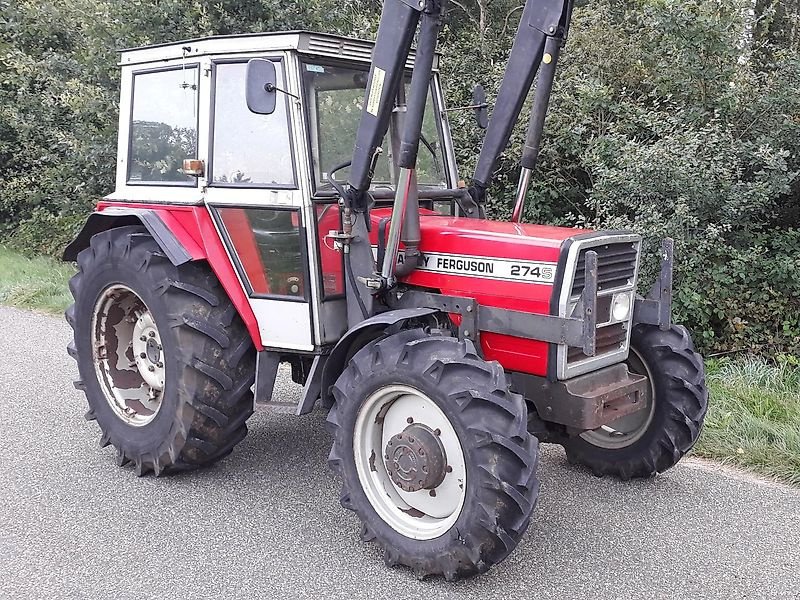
(487, 268)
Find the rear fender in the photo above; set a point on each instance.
(110, 218)
(184, 234)
(358, 337)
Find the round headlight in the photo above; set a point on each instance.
(621, 307)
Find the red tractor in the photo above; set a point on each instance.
(444, 346)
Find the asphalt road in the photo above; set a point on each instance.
(266, 522)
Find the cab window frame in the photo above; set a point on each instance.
(280, 64)
(192, 181)
(302, 236)
(326, 194)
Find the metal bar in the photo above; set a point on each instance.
(589, 301)
(656, 309)
(665, 284)
(541, 20)
(476, 318)
(266, 371)
(405, 179)
(522, 191)
(313, 387)
(392, 45)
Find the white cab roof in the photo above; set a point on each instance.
(305, 42)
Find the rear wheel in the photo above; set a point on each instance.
(657, 436)
(434, 454)
(164, 359)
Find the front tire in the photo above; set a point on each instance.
(660, 434)
(434, 454)
(164, 359)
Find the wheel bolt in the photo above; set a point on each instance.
(409, 420)
(433, 493)
(142, 339)
(160, 365)
(151, 368)
(159, 346)
(143, 355)
(152, 334)
(437, 431)
(449, 469)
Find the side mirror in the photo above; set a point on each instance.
(261, 92)
(480, 107)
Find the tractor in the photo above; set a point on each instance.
(293, 198)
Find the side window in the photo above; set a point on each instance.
(269, 246)
(163, 128)
(249, 150)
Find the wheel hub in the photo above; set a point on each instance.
(415, 459)
(147, 351)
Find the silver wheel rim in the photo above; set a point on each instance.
(127, 355)
(629, 429)
(424, 514)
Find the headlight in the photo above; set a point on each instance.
(621, 307)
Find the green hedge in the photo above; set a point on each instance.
(674, 118)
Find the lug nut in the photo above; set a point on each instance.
(143, 355)
(449, 469)
(160, 365)
(142, 339)
(437, 431)
(151, 368)
(152, 334)
(433, 493)
(410, 420)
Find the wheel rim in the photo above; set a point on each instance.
(629, 429)
(424, 456)
(128, 356)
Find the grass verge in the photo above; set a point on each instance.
(753, 419)
(754, 416)
(37, 283)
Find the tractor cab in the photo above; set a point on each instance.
(187, 137)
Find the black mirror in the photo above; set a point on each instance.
(480, 107)
(261, 92)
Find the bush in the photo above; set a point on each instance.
(670, 117)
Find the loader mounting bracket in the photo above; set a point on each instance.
(656, 308)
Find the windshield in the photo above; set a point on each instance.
(334, 97)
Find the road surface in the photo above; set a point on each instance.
(266, 521)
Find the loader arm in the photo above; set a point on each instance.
(541, 33)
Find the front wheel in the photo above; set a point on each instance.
(434, 454)
(657, 436)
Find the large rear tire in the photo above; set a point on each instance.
(164, 359)
(434, 454)
(655, 438)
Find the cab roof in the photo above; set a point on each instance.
(304, 42)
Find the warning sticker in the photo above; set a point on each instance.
(504, 269)
(375, 91)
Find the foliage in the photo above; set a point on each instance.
(754, 421)
(39, 283)
(670, 117)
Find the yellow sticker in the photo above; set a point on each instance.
(375, 91)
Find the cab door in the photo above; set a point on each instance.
(253, 194)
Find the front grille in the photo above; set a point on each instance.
(616, 267)
(610, 338)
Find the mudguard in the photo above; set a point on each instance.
(184, 233)
(358, 336)
(118, 217)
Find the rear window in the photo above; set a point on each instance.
(163, 128)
